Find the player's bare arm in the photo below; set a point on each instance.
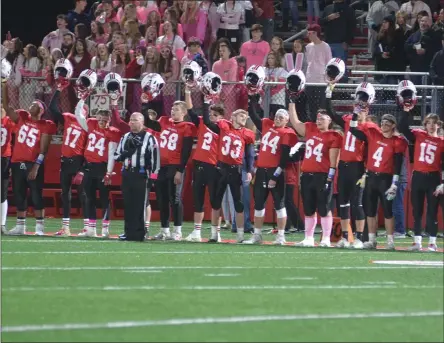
(252, 113)
(191, 113)
(11, 113)
(80, 115)
(44, 147)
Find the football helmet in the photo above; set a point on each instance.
(6, 69)
(335, 69)
(295, 82)
(152, 85)
(113, 84)
(191, 73)
(254, 79)
(211, 84)
(406, 94)
(62, 71)
(85, 83)
(364, 94)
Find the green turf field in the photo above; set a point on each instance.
(71, 289)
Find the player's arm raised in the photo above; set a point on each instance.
(403, 125)
(208, 123)
(252, 103)
(11, 113)
(298, 126)
(116, 121)
(56, 115)
(149, 123)
(80, 116)
(354, 129)
(191, 113)
(336, 118)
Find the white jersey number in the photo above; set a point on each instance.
(28, 135)
(227, 149)
(427, 153)
(4, 134)
(72, 136)
(377, 156)
(311, 149)
(96, 144)
(272, 143)
(350, 142)
(169, 140)
(208, 139)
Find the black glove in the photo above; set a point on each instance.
(254, 98)
(126, 154)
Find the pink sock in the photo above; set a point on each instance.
(310, 224)
(326, 223)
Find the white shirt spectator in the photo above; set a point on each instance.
(277, 91)
(230, 17)
(412, 10)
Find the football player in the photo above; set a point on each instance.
(33, 136)
(428, 166)
(274, 152)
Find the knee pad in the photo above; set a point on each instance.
(238, 206)
(358, 212)
(259, 213)
(344, 211)
(282, 213)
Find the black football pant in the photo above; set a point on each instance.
(69, 168)
(169, 195)
(93, 181)
(5, 177)
(20, 185)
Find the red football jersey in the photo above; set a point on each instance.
(232, 142)
(317, 146)
(96, 150)
(291, 173)
(171, 139)
(428, 151)
(272, 139)
(207, 144)
(74, 137)
(27, 137)
(381, 150)
(7, 128)
(353, 149)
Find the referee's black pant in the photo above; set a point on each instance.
(134, 189)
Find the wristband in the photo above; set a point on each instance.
(395, 180)
(187, 92)
(277, 172)
(331, 173)
(442, 176)
(40, 159)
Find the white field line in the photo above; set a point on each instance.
(299, 278)
(380, 282)
(143, 271)
(212, 320)
(83, 268)
(215, 288)
(221, 275)
(169, 252)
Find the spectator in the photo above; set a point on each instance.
(150, 37)
(120, 58)
(110, 14)
(129, 12)
(78, 15)
(255, 50)
(339, 25)
(169, 69)
(389, 51)
(313, 12)
(246, 20)
(169, 37)
(68, 42)
(178, 7)
(379, 10)
(194, 21)
(437, 76)
(101, 63)
(401, 24)
(153, 18)
(275, 73)
(318, 54)
(421, 47)
(54, 39)
(80, 60)
(418, 19)
(264, 12)
(98, 35)
(412, 8)
(296, 59)
(439, 24)
(230, 13)
(171, 16)
(241, 89)
(133, 36)
(81, 32)
(17, 59)
(226, 68)
(277, 46)
(133, 71)
(289, 6)
(32, 67)
(44, 90)
(163, 5)
(213, 23)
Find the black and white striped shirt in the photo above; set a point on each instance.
(139, 151)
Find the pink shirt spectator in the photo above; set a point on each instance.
(255, 52)
(54, 39)
(176, 42)
(227, 70)
(179, 30)
(195, 27)
(317, 56)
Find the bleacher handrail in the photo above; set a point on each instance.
(298, 35)
(374, 72)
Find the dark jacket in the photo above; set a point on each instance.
(75, 18)
(437, 68)
(395, 48)
(430, 42)
(342, 29)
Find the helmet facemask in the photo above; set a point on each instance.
(332, 73)
(113, 89)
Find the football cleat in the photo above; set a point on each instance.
(280, 240)
(432, 248)
(357, 244)
(369, 245)
(175, 236)
(415, 247)
(105, 232)
(194, 237)
(308, 242)
(88, 233)
(161, 236)
(240, 237)
(4, 231)
(343, 243)
(215, 239)
(63, 233)
(256, 239)
(325, 243)
(16, 231)
(390, 246)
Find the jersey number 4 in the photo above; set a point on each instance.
(96, 144)
(169, 139)
(311, 149)
(272, 143)
(28, 135)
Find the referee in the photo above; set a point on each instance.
(139, 154)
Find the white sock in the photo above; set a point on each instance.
(240, 230)
(85, 223)
(165, 230)
(197, 228)
(214, 231)
(281, 232)
(418, 240)
(4, 211)
(432, 240)
(372, 237)
(178, 229)
(390, 239)
(257, 231)
(65, 223)
(39, 224)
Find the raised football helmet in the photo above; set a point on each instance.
(254, 79)
(85, 83)
(191, 73)
(364, 94)
(6, 69)
(211, 84)
(152, 85)
(406, 94)
(335, 69)
(295, 82)
(62, 72)
(113, 85)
